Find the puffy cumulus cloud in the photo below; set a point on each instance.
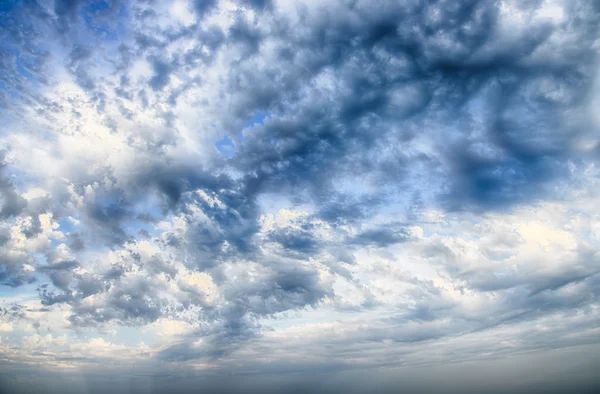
(273, 188)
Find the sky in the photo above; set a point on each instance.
(277, 196)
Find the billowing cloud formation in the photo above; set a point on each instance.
(274, 189)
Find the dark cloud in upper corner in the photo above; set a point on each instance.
(428, 68)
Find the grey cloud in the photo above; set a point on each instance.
(76, 242)
(162, 74)
(210, 40)
(447, 79)
(346, 131)
(427, 103)
(243, 33)
(145, 41)
(11, 270)
(4, 235)
(131, 302)
(260, 5)
(12, 203)
(388, 235)
(203, 7)
(89, 285)
(109, 219)
(60, 273)
(279, 287)
(66, 11)
(296, 240)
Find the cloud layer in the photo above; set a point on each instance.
(279, 190)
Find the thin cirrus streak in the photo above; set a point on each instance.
(299, 196)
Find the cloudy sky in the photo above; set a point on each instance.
(299, 196)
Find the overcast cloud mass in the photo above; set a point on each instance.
(256, 196)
